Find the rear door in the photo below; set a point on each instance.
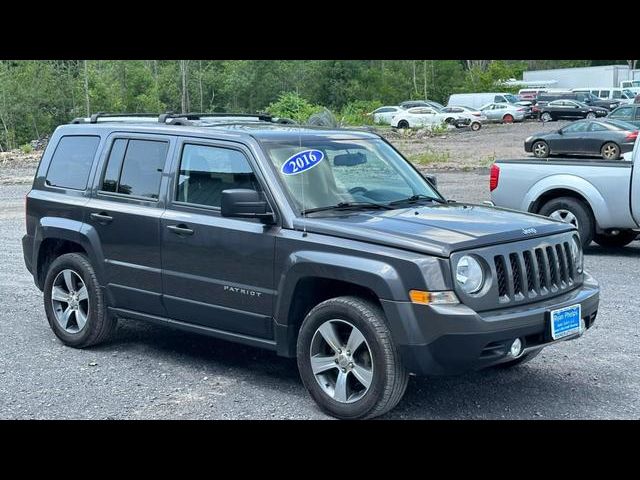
(124, 212)
(217, 271)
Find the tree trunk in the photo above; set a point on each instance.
(86, 89)
(424, 71)
(184, 104)
(415, 82)
(200, 85)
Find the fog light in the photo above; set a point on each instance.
(516, 348)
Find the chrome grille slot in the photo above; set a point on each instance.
(516, 273)
(501, 275)
(542, 278)
(553, 267)
(528, 264)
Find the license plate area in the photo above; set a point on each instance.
(564, 322)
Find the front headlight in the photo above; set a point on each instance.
(528, 139)
(469, 274)
(576, 253)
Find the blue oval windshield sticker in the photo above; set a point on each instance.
(302, 161)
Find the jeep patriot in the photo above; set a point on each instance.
(321, 244)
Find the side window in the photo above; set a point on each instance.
(72, 161)
(205, 171)
(135, 167)
(499, 99)
(623, 112)
(597, 127)
(604, 93)
(617, 94)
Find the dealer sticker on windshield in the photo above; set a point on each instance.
(565, 321)
(302, 161)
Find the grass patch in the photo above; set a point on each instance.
(430, 157)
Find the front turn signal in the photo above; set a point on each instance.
(422, 297)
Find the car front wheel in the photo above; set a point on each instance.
(403, 124)
(540, 149)
(546, 117)
(348, 361)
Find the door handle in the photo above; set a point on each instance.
(181, 229)
(101, 217)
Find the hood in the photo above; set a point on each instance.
(435, 230)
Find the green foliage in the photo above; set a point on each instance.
(356, 113)
(479, 80)
(429, 157)
(291, 105)
(26, 148)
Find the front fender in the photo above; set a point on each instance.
(582, 187)
(380, 277)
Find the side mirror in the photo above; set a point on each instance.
(560, 132)
(432, 179)
(245, 203)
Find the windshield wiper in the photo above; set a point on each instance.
(416, 198)
(348, 206)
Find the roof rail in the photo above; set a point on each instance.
(264, 117)
(94, 118)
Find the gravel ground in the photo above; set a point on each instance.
(152, 372)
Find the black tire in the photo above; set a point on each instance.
(524, 358)
(546, 117)
(540, 149)
(475, 126)
(625, 237)
(403, 124)
(100, 325)
(586, 224)
(449, 120)
(389, 379)
(610, 151)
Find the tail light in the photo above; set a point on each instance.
(522, 109)
(632, 136)
(477, 114)
(494, 177)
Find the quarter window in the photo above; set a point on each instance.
(135, 167)
(205, 171)
(72, 161)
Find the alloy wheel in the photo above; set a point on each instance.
(610, 151)
(70, 301)
(341, 361)
(540, 149)
(564, 216)
(546, 117)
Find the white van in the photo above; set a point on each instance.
(623, 95)
(477, 100)
(633, 85)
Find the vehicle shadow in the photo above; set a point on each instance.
(631, 250)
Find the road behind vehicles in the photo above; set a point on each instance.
(627, 113)
(384, 115)
(322, 245)
(621, 95)
(601, 198)
(569, 110)
(607, 138)
(587, 98)
(504, 112)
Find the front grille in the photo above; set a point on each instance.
(534, 272)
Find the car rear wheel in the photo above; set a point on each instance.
(403, 124)
(574, 211)
(546, 117)
(610, 151)
(475, 126)
(625, 237)
(591, 115)
(348, 361)
(508, 118)
(540, 149)
(74, 303)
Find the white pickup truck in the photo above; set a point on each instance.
(602, 198)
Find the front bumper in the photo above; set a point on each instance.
(452, 339)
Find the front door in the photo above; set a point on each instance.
(217, 271)
(124, 212)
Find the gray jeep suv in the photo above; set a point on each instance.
(324, 245)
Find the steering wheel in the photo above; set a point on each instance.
(357, 189)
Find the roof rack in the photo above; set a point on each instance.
(172, 118)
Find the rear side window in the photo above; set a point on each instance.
(637, 113)
(72, 161)
(135, 167)
(206, 171)
(623, 112)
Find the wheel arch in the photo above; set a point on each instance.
(536, 201)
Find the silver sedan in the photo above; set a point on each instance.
(504, 112)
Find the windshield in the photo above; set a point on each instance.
(511, 98)
(322, 172)
(628, 93)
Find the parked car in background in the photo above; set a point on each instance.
(587, 98)
(477, 100)
(609, 93)
(607, 138)
(418, 117)
(385, 114)
(472, 114)
(421, 103)
(627, 113)
(569, 109)
(601, 198)
(637, 99)
(633, 85)
(530, 94)
(504, 112)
